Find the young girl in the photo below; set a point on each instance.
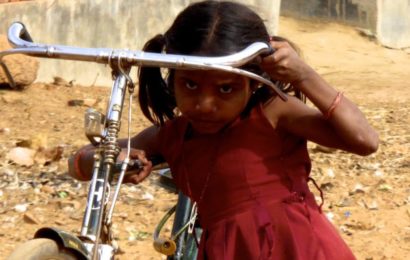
(237, 149)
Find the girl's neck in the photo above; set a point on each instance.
(191, 133)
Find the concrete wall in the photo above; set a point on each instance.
(366, 13)
(124, 24)
(393, 27)
(361, 13)
(388, 20)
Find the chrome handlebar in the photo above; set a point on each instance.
(22, 43)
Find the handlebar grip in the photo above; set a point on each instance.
(133, 165)
(24, 34)
(270, 51)
(137, 164)
(165, 246)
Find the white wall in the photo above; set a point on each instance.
(124, 24)
(393, 25)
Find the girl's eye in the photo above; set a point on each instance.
(226, 89)
(191, 85)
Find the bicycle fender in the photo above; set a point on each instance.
(64, 239)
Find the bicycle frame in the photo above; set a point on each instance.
(103, 130)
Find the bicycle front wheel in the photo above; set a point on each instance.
(40, 249)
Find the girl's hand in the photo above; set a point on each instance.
(285, 64)
(136, 176)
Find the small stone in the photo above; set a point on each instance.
(24, 143)
(122, 215)
(330, 173)
(62, 82)
(330, 216)
(21, 208)
(373, 205)
(326, 185)
(147, 196)
(345, 202)
(5, 130)
(21, 156)
(47, 189)
(75, 102)
(60, 222)
(378, 173)
(76, 216)
(358, 188)
(31, 219)
(345, 230)
(89, 102)
(69, 204)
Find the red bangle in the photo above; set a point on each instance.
(334, 104)
(77, 167)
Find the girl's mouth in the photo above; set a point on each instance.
(204, 126)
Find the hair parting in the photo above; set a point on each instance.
(204, 29)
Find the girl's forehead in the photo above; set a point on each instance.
(208, 75)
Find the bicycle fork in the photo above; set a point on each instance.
(95, 227)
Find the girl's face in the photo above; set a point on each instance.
(210, 99)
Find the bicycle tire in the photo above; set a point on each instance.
(40, 249)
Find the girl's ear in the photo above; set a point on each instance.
(254, 85)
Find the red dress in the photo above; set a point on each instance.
(250, 185)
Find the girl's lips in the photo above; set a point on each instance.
(206, 126)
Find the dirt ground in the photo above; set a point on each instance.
(366, 198)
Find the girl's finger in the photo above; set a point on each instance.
(143, 174)
(135, 177)
(275, 57)
(137, 153)
(277, 44)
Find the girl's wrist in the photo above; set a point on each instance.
(308, 75)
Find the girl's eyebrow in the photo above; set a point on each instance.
(232, 80)
(184, 77)
(226, 82)
(219, 80)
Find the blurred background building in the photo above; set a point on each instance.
(387, 20)
(128, 24)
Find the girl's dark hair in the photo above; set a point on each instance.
(207, 28)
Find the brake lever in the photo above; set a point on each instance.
(133, 165)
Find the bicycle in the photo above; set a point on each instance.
(96, 240)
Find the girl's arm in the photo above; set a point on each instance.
(143, 146)
(339, 123)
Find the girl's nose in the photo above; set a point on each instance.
(206, 104)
